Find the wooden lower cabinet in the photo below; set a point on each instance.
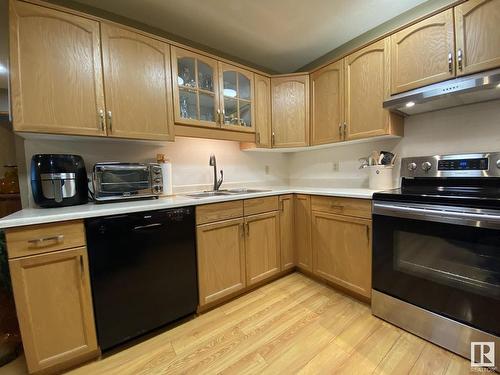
(342, 251)
(262, 245)
(286, 203)
(302, 231)
(54, 306)
(221, 259)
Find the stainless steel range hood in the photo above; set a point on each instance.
(454, 92)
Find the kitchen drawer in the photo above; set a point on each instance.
(210, 213)
(343, 206)
(260, 205)
(44, 238)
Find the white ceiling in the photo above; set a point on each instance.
(281, 35)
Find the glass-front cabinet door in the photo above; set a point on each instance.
(196, 92)
(236, 98)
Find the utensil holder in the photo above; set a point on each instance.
(380, 177)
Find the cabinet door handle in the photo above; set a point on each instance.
(340, 130)
(460, 59)
(368, 233)
(450, 62)
(257, 137)
(273, 139)
(81, 267)
(101, 119)
(345, 130)
(110, 121)
(282, 206)
(247, 229)
(242, 230)
(46, 241)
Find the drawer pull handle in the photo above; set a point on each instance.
(46, 241)
(336, 206)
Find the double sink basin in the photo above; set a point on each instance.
(218, 193)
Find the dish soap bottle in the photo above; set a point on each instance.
(166, 172)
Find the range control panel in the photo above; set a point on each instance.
(463, 164)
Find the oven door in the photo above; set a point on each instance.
(122, 180)
(440, 258)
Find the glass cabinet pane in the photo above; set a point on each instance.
(205, 76)
(230, 85)
(188, 107)
(230, 111)
(207, 107)
(186, 72)
(243, 87)
(245, 114)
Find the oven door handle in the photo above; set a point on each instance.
(442, 215)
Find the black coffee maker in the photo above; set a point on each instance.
(58, 180)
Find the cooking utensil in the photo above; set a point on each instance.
(387, 157)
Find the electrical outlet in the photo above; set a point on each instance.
(336, 166)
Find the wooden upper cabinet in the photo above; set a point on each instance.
(342, 251)
(477, 35)
(423, 53)
(367, 78)
(236, 98)
(262, 246)
(287, 231)
(262, 111)
(327, 104)
(138, 85)
(290, 110)
(56, 73)
(221, 259)
(196, 89)
(53, 299)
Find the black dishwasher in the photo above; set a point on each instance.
(143, 271)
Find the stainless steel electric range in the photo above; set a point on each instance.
(436, 251)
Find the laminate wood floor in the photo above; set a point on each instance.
(293, 325)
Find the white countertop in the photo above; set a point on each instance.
(32, 216)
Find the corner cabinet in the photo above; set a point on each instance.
(423, 53)
(290, 110)
(287, 229)
(327, 104)
(477, 35)
(303, 244)
(367, 84)
(56, 72)
(138, 85)
(262, 111)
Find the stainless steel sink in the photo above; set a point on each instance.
(246, 191)
(218, 193)
(206, 194)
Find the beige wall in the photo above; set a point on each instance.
(189, 157)
(469, 128)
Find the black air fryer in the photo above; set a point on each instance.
(58, 180)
